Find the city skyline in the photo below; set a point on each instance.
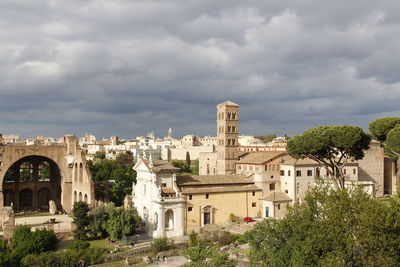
(129, 67)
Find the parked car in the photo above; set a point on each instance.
(248, 219)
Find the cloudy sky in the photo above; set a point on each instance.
(128, 67)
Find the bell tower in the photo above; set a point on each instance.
(227, 135)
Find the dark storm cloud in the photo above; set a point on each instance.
(128, 67)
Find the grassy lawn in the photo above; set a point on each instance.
(101, 243)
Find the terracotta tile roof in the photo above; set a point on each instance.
(184, 180)
(159, 165)
(167, 190)
(277, 196)
(261, 157)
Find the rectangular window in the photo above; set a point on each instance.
(279, 206)
(253, 204)
(190, 208)
(163, 185)
(283, 172)
(354, 171)
(298, 173)
(309, 172)
(288, 173)
(190, 197)
(272, 186)
(207, 196)
(344, 171)
(254, 193)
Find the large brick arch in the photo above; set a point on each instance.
(66, 156)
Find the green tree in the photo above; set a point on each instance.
(98, 219)
(266, 138)
(188, 162)
(380, 128)
(81, 219)
(331, 146)
(331, 228)
(208, 256)
(6, 258)
(122, 222)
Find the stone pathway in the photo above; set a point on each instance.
(172, 261)
(62, 223)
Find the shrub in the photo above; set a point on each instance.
(6, 258)
(78, 245)
(25, 242)
(161, 244)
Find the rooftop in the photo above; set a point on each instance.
(261, 157)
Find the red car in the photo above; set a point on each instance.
(248, 219)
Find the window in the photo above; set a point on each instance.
(344, 171)
(253, 204)
(163, 185)
(207, 196)
(254, 193)
(233, 142)
(283, 172)
(190, 197)
(190, 208)
(309, 172)
(286, 191)
(272, 177)
(318, 172)
(279, 206)
(272, 186)
(298, 173)
(233, 115)
(229, 115)
(354, 171)
(288, 173)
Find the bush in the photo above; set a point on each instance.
(67, 258)
(78, 245)
(6, 258)
(161, 244)
(25, 242)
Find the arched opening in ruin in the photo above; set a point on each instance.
(30, 183)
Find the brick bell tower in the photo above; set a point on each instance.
(227, 135)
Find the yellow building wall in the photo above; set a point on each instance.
(223, 204)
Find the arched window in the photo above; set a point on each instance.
(26, 172)
(229, 142)
(229, 129)
(80, 172)
(25, 199)
(43, 198)
(233, 141)
(80, 196)
(85, 198)
(75, 196)
(44, 171)
(233, 115)
(75, 172)
(229, 116)
(233, 129)
(169, 220)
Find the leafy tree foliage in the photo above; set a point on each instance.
(120, 171)
(267, 138)
(208, 256)
(332, 228)
(122, 222)
(381, 127)
(331, 146)
(78, 245)
(188, 162)
(98, 219)
(6, 257)
(25, 242)
(81, 219)
(161, 244)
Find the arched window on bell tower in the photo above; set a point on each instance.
(229, 116)
(233, 115)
